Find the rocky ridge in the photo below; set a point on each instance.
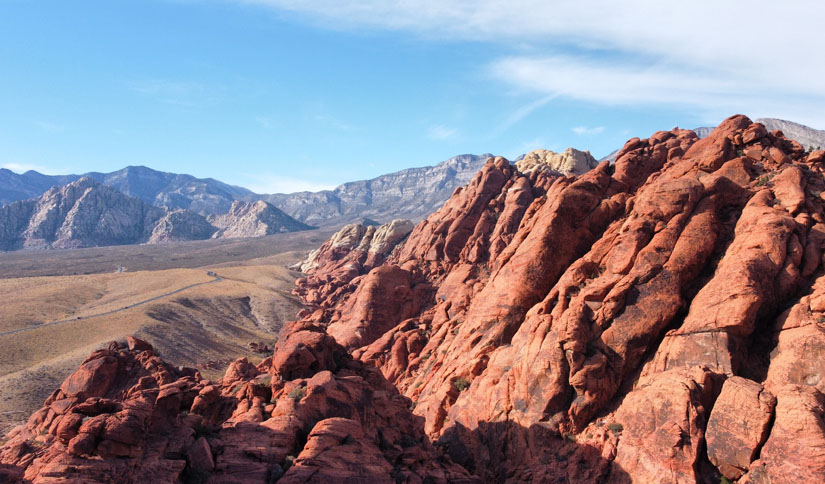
(167, 190)
(810, 138)
(253, 219)
(413, 193)
(80, 214)
(86, 213)
(654, 320)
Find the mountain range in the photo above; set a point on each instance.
(86, 213)
(185, 200)
(412, 193)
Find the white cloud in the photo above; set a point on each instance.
(523, 112)
(584, 130)
(440, 132)
(760, 56)
(281, 184)
(24, 167)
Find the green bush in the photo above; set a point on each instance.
(461, 384)
(298, 393)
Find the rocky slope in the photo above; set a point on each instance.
(170, 190)
(86, 213)
(81, 214)
(177, 225)
(659, 319)
(412, 194)
(655, 320)
(808, 137)
(253, 219)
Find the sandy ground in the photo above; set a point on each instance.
(205, 327)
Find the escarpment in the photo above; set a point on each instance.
(656, 319)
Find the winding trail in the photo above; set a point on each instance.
(216, 278)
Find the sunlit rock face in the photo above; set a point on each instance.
(656, 319)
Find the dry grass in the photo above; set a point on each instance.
(206, 326)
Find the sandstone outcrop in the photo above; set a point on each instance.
(349, 253)
(659, 319)
(537, 309)
(253, 219)
(569, 162)
(312, 414)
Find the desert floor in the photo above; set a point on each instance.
(200, 305)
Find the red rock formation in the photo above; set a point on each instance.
(558, 306)
(660, 319)
(316, 416)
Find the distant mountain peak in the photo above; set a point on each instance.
(254, 219)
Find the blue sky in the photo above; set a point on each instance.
(284, 95)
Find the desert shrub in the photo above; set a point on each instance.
(615, 427)
(298, 393)
(461, 384)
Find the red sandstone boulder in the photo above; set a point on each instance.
(738, 425)
(795, 450)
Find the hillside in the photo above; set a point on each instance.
(253, 219)
(808, 137)
(81, 214)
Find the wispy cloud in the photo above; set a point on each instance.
(266, 183)
(24, 167)
(523, 112)
(584, 130)
(440, 132)
(703, 55)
